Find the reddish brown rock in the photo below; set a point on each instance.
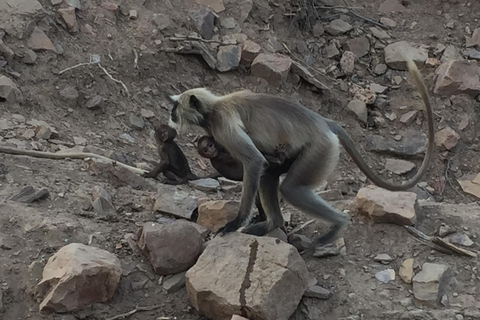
(243, 274)
(387, 206)
(272, 67)
(215, 214)
(171, 248)
(39, 41)
(250, 51)
(447, 138)
(457, 76)
(68, 15)
(77, 276)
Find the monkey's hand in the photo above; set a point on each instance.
(230, 227)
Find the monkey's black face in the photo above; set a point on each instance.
(174, 114)
(208, 149)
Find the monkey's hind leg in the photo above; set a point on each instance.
(312, 168)
(268, 193)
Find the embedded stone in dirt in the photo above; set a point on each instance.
(39, 41)
(68, 15)
(337, 27)
(347, 62)
(29, 195)
(137, 122)
(216, 5)
(43, 132)
(259, 277)
(215, 214)
(94, 103)
(77, 276)
(205, 184)
(170, 248)
(317, 292)
(250, 51)
(474, 40)
(455, 77)
(70, 96)
(359, 108)
(399, 166)
(237, 317)
(331, 50)
(406, 270)
(389, 6)
(383, 258)
(394, 54)
(277, 234)
(176, 202)
(388, 22)
(387, 206)
(162, 21)
(174, 283)
(451, 53)
(377, 88)
(447, 138)
(272, 67)
(412, 144)
(6, 52)
(379, 34)
(204, 20)
(385, 276)
(380, 69)
(430, 284)
(228, 57)
(409, 117)
(359, 46)
(9, 90)
(461, 239)
(30, 57)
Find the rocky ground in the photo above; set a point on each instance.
(86, 75)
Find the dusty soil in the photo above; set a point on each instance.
(31, 233)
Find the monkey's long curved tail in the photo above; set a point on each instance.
(349, 146)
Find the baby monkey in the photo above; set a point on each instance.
(173, 163)
(232, 169)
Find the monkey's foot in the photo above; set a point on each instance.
(257, 229)
(230, 227)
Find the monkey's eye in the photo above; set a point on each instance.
(210, 145)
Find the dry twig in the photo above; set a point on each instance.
(300, 227)
(191, 38)
(137, 309)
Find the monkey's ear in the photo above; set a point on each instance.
(194, 102)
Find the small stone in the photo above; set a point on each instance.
(43, 132)
(215, 214)
(6, 52)
(215, 5)
(162, 21)
(383, 258)
(387, 206)
(206, 184)
(461, 239)
(385, 276)
(70, 96)
(147, 114)
(473, 54)
(399, 166)
(70, 19)
(110, 6)
(9, 90)
(29, 134)
(406, 270)
(397, 80)
(318, 30)
(359, 108)
(359, 46)
(94, 103)
(317, 292)
(389, 6)
(174, 283)
(447, 138)
(456, 77)
(474, 40)
(374, 87)
(74, 4)
(388, 22)
(272, 67)
(79, 141)
(409, 117)
(379, 34)
(39, 41)
(127, 137)
(30, 57)
(338, 27)
(430, 284)
(250, 51)
(439, 49)
(137, 122)
(444, 230)
(347, 62)
(228, 23)
(412, 144)
(228, 57)
(204, 22)
(331, 50)
(451, 53)
(432, 62)
(394, 54)
(133, 14)
(380, 69)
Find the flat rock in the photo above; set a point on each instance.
(388, 22)
(69, 17)
(136, 122)
(383, 258)
(413, 144)
(379, 34)
(408, 117)
(389, 6)
(204, 22)
(9, 90)
(377, 88)
(69, 95)
(205, 184)
(406, 270)
(394, 54)
(174, 283)
(359, 46)
(29, 195)
(250, 51)
(387, 206)
(347, 62)
(176, 202)
(331, 51)
(385, 276)
(170, 248)
(261, 277)
(399, 166)
(30, 57)
(447, 138)
(6, 52)
(13, 13)
(338, 27)
(451, 53)
(461, 239)
(77, 276)
(317, 292)
(359, 108)
(272, 67)
(473, 54)
(228, 57)
(215, 214)
(380, 69)
(162, 21)
(456, 77)
(474, 40)
(95, 103)
(215, 5)
(39, 41)
(429, 285)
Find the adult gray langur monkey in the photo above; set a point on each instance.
(250, 124)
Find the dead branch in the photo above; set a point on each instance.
(137, 309)
(300, 227)
(353, 13)
(192, 38)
